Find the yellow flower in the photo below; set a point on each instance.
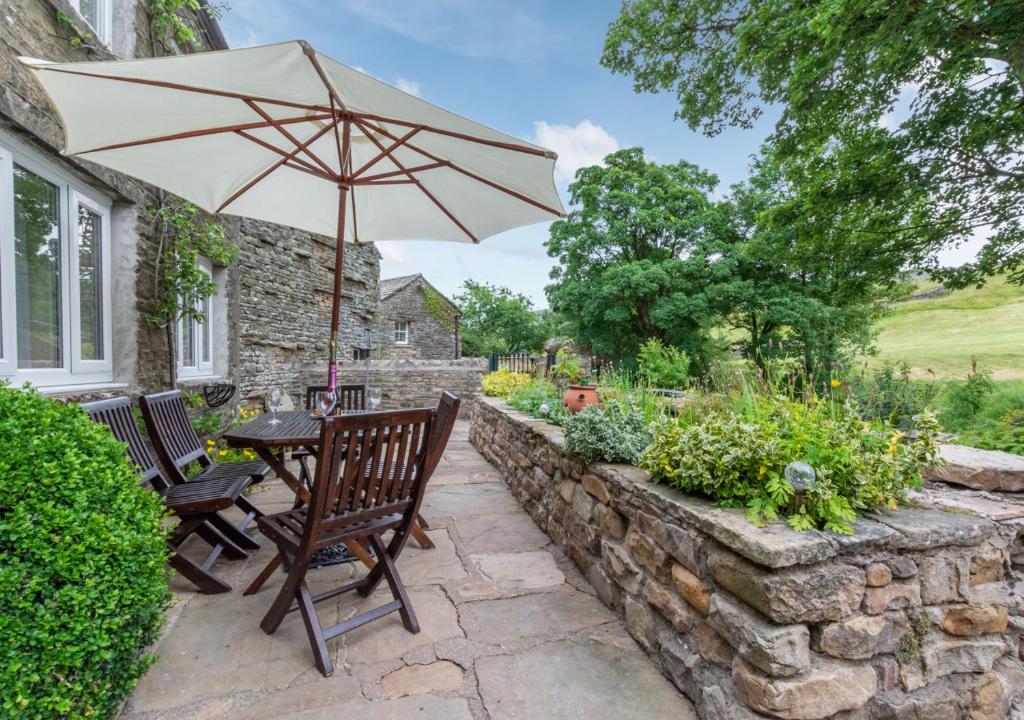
(836, 383)
(762, 470)
(222, 453)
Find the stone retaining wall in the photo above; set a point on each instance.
(915, 616)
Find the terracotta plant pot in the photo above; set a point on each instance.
(578, 397)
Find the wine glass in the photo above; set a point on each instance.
(373, 397)
(325, 402)
(275, 401)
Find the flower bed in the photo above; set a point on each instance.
(914, 613)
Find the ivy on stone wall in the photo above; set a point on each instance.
(168, 21)
(439, 308)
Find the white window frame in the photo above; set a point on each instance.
(71, 194)
(203, 331)
(402, 329)
(105, 10)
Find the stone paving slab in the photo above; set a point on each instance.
(510, 629)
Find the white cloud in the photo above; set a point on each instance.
(578, 145)
(474, 28)
(392, 252)
(406, 85)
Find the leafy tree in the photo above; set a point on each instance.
(623, 270)
(901, 121)
(495, 319)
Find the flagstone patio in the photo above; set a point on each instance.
(510, 629)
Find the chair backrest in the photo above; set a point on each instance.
(171, 433)
(116, 414)
(350, 397)
(447, 412)
(370, 465)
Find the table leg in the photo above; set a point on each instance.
(277, 464)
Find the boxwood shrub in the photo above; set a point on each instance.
(83, 585)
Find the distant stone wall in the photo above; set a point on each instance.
(916, 616)
(412, 383)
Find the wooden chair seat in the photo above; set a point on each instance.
(285, 528)
(254, 470)
(204, 496)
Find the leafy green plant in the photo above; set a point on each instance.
(739, 456)
(83, 587)
(168, 21)
(965, 399)
(614, 431)
(567, 370)
(529, 398)
(184, 234)
(501, 383)
(206, 423)
(889, 394)
(439, 308)
(662, 366)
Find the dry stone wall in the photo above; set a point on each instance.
(918, 615)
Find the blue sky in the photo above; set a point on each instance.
(527, 67)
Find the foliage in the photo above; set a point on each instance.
(623, 271)
(966, 398)
(1006, 433)
(182, 287)
(68, 25)
(739, 456)
(220, 451)
(901, 122)
(529, 398)
(439, 308)
(83, 586)
(502, 383)
(614, 431)
(206, 423)
(567, 370)
(169, 26)
(497, 320)
(662, 367)
(890, 395)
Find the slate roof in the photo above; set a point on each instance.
(390, 286)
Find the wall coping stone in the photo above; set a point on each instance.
(777, 545)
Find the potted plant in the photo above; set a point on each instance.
(568, 372)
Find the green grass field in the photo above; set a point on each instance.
(943, 333)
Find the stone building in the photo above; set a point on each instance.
(417, 321)
(78, 262)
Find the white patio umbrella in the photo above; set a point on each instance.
(285, 134)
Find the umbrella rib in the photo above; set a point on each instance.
(455, 134)
(248, 186)
(301, 147)
(385, 153)
(275, 149)
(418, 184)
(189, 88)
(371, 179)
(479, 178)
(206, 131)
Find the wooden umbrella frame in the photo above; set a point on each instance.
(339, 120)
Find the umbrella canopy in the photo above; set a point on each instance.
(285, 134)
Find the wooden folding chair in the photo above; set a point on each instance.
(196, 504)
(350, 397)
(370, 478)
(178, 447)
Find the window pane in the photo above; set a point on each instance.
(188, 343)
(37, 248)
(90, 10)
(90, 282)
(204, 331)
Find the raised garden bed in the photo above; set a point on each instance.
(914, 616)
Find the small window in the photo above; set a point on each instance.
(98, 14)
(401, 332)
(360, 353)
(195, 337)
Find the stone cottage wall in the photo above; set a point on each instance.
(429, 339)
(918, 615)
(277, 296)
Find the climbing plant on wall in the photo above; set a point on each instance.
(439, 308)
(184, 234)
(167, 18)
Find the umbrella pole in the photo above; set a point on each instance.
(339, 271)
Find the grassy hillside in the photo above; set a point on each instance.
(943, 333)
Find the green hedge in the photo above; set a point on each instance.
(83, 584)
